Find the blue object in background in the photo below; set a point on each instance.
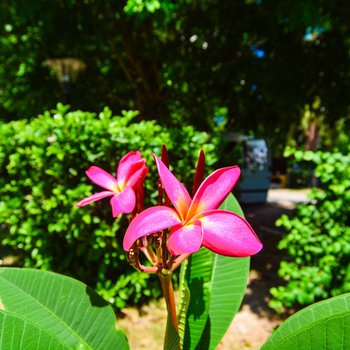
(259, 53)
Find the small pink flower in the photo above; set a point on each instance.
(131, 169)
(197, 222)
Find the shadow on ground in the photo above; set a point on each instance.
(264, 265)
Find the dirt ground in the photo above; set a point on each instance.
(255, 321)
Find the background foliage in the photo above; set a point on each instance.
(318, 235)
(42, 164)
(267, 67)
(181, 61)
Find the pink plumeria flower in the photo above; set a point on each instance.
(131, 169)
(197, 222)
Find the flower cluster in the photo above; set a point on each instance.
(179, 229)
(130, 173)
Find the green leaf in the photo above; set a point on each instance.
(198, 278)
(44, 310)
(223, 280)
(172, 339)
(323, 325)
(16, 330)
(231, 204)
(184, 300)
(229, 280)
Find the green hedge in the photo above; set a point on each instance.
(318, 235)
(42, 176)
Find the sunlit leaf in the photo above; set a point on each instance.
(44, 310)
(198, 278)
(323, 325)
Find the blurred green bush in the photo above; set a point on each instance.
(42, 176)
(318, 235)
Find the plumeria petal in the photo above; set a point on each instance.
(185, 239)
(214, 189)
(175, 190)
(228, 234)
(95, 197)
(102, 178)
(136, 172)
(149, 221)
(125, 163)
(123, 202)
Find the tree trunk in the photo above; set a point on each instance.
(143, 74)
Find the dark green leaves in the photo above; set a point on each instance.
(43, 310)
(318, 234)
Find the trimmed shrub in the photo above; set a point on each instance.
(318, 236)
(42, 176)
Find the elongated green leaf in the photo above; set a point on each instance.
(229, 280)
(198, 277)
(323, 325)
(228, 284)
(172, 339)
(184, 300)
(225, 281)
(44, 310)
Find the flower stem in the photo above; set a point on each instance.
(177, 262)
(171, 332)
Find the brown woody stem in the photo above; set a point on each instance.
(168, 292)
